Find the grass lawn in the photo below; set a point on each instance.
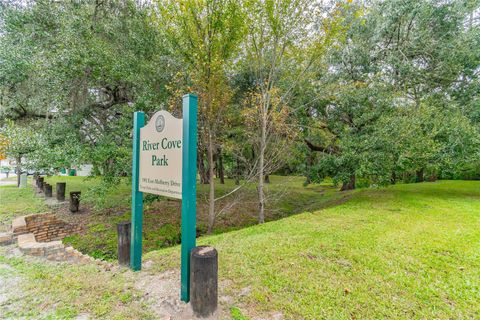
(404, 252)
(16, 202)
(35, 289)
(409, 251)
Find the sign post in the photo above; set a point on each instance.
(165, 163)
(189, 190)
(137, 196)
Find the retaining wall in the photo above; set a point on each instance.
(47, 227)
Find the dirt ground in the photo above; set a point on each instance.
(162, 292)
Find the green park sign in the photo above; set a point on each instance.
(165, 163)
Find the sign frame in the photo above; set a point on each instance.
(189, 192)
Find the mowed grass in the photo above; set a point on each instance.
(43, 290)
(404, 252)
(16, 202)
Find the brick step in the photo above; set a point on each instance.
(34, 234)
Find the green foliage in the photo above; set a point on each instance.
(20, 141)
(167, 235)
(58, 148)
(77, 73)
(348, 77)
(392, 102)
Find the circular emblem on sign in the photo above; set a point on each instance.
(160, 123)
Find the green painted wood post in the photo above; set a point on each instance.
(137, 196)
(189, 190)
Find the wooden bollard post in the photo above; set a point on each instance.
(40, 183)
(204, 280)
(61, 186)
(48, 190)
(74, 201)
(123, 231)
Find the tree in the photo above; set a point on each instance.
(205, 35)
(85, 66)
(334, 83)
(399, 56)
(285, 39)
(20, 142)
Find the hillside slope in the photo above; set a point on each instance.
(404, 252)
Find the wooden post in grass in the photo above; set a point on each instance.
(40, 183)
(48, 190)
(204, 280)
(61, 186)
(123, 230)
(74, 201)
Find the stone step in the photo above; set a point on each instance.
(6, 238)
(50, 250)
(19, 226)
(26, 239)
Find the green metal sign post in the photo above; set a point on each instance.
(150, 168)
(137, 196)
(189, 190)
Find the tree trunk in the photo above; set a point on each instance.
(211, 175)
(201, 168)
(237, 172)
(267, 178)
(220, 172)
(350, 185)
(420, 176)
(261, 170)
(215, 169)
(308, 167)
(19, 169)
(393, 178)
